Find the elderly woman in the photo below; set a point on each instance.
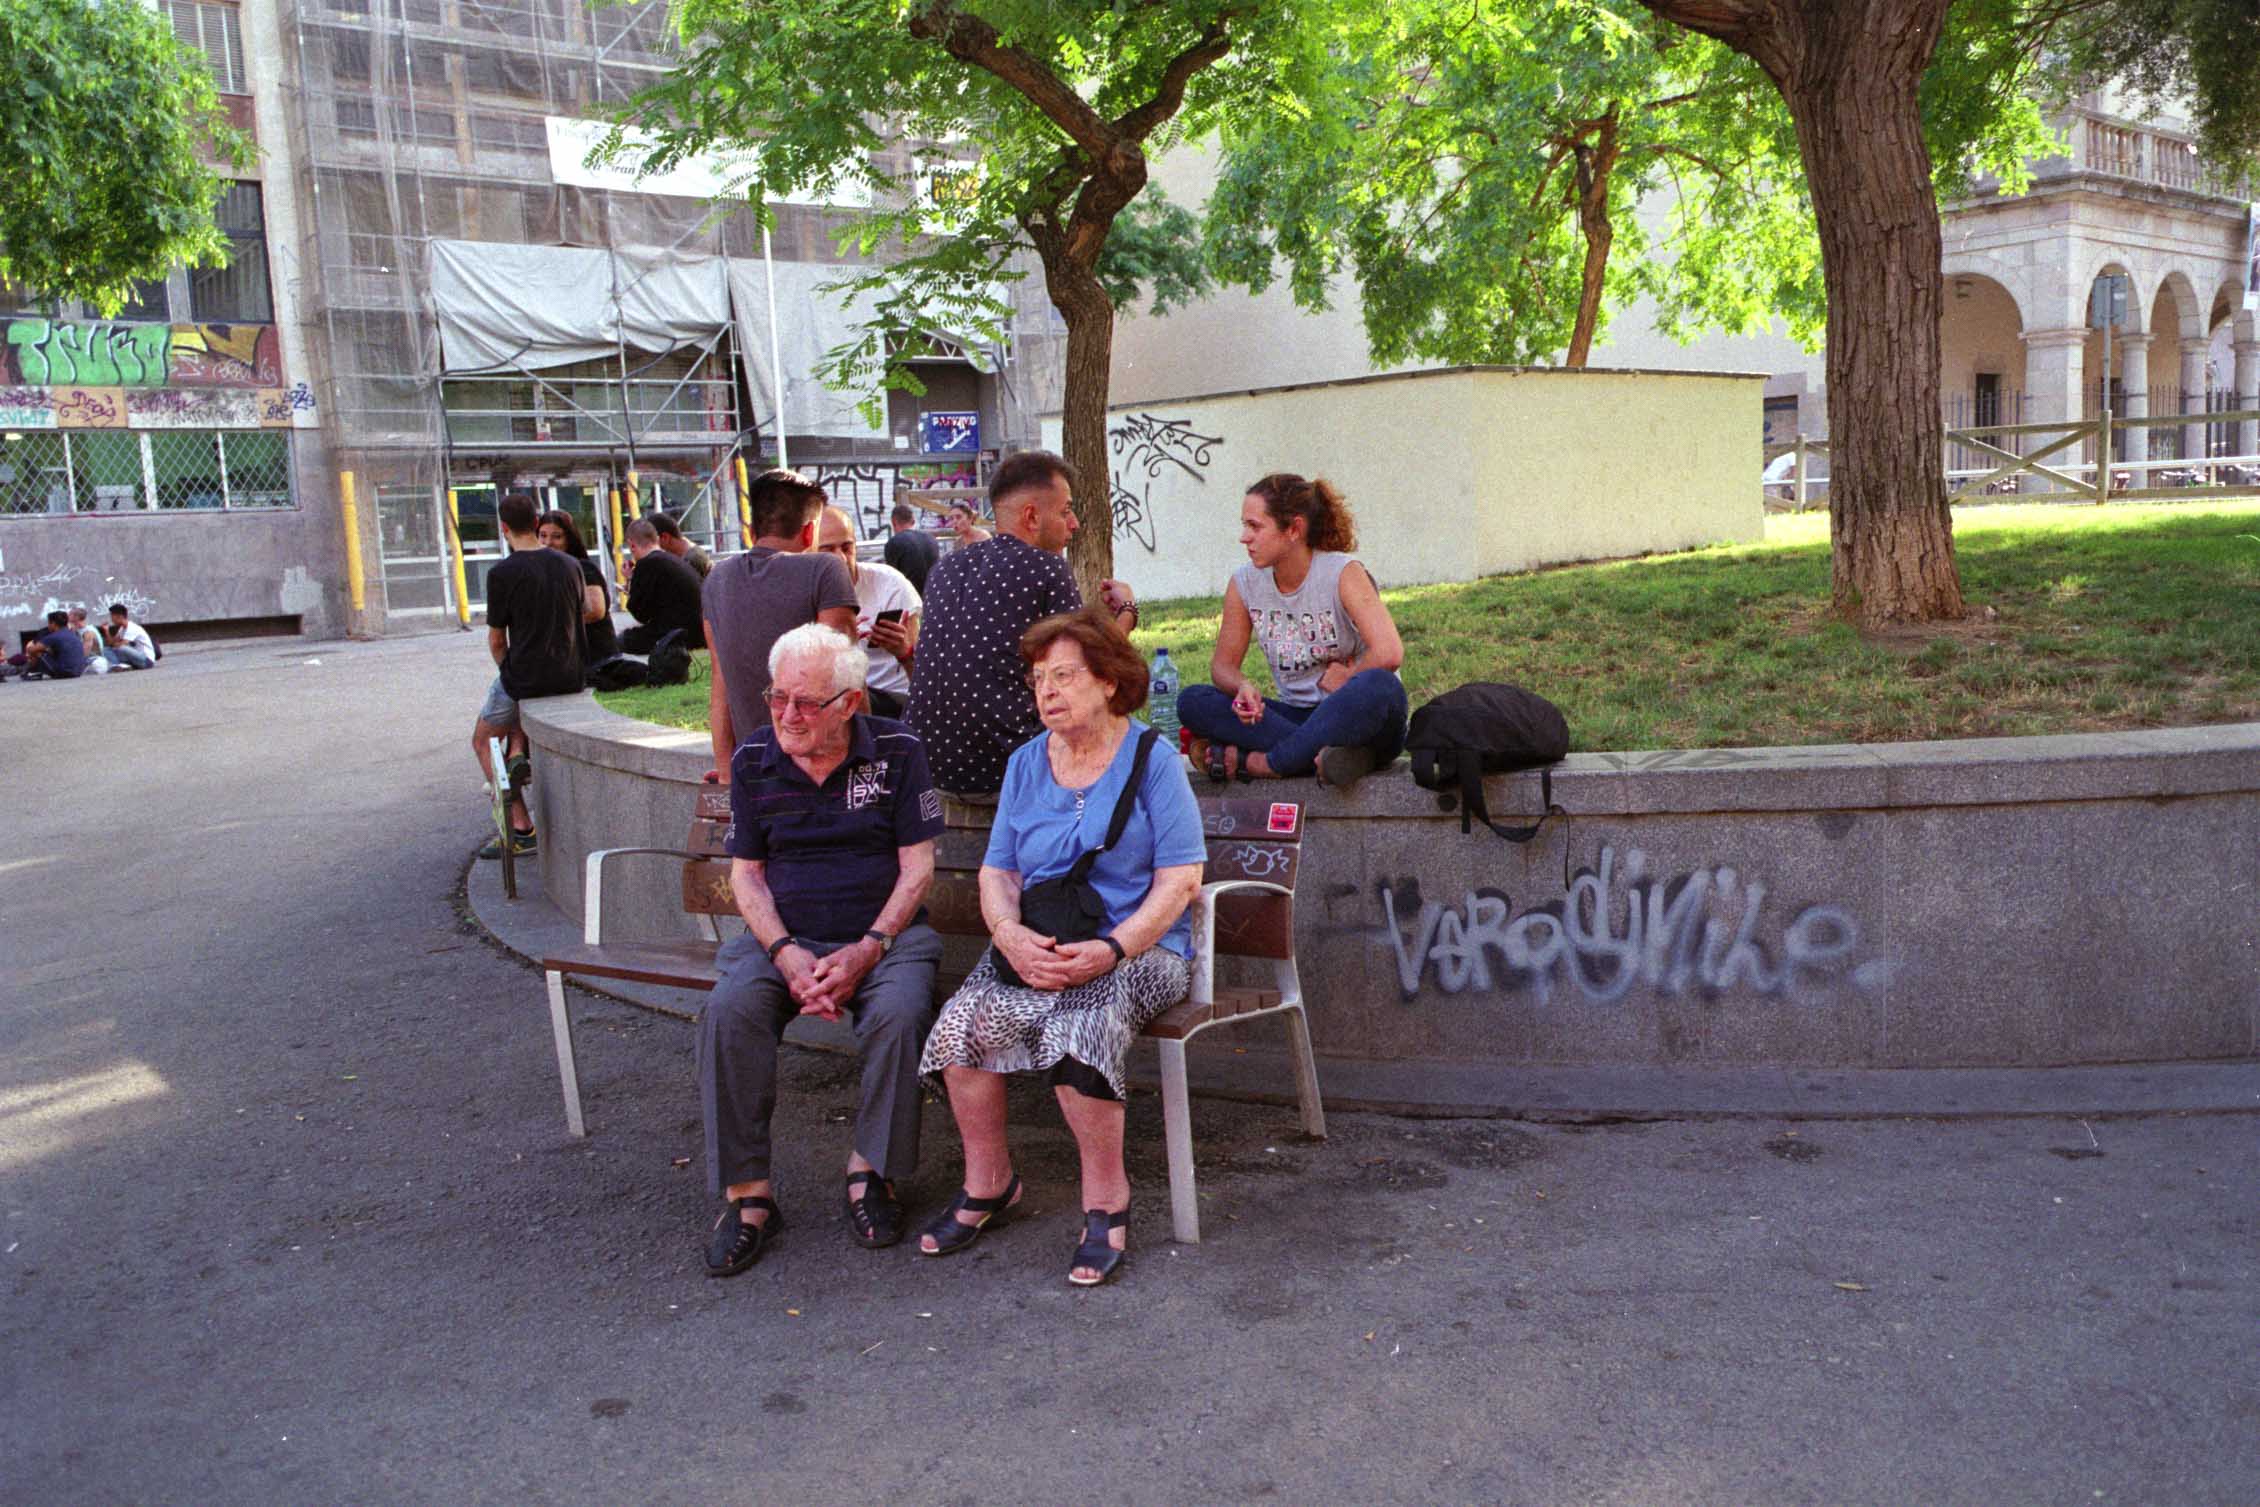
(1078, 1004)
(832, 828)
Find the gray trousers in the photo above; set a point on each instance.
(737, 1055)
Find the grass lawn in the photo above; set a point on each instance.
(2100, 618)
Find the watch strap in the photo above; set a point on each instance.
(780, 945)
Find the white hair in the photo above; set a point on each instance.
(813, 641)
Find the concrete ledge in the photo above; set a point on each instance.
(2060, 902)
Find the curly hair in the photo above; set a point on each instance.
(1326, 516)
(1107, 653)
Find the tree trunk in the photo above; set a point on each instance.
(1851, 72)
(1860, 131)
(1594, 165)
(1089, 314)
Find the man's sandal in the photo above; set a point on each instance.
(1097, 1253)
(951, 1234)
(736, 1245)
(873, 1214)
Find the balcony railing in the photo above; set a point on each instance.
(2118, 148)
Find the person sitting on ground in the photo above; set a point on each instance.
(126, 644)
(832, 829)
(965, 521)
(1331, 645)
(968, 699)
(57, 654)
(535, 603)
(880, 590)
(671, 540)
(1081, 1003)
(755, 598)
(910, 549)
(600, 641)
(90, 638)
(661, 598)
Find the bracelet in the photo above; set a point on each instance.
(1119, 955)
(780, 945)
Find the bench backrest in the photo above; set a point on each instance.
(706, 878)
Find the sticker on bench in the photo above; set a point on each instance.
(1283, 814)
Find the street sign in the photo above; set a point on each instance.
(2107, 302)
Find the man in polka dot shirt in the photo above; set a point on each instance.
(969, 700)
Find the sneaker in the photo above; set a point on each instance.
(1342, 767)
(522, 845)
(519, 771)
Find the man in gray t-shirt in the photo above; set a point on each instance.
(754, 599)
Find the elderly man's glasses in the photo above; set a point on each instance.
(1061, 676)
(801, 705)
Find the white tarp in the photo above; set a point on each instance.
(813, 321)
(502, 305)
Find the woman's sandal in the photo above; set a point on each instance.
(951, 1234)
(1222, 770)
(1097, 1253)
(736, 1245)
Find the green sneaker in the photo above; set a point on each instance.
(522, 845)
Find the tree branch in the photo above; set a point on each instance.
(1169, 94)
(972, 40)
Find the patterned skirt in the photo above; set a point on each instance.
(1007, 1028)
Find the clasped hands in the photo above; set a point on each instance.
(1047, 963)
(1247, 701)
(822, 986)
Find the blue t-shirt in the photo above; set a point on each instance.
(66, 653)
(1037, 835)
(830, 851)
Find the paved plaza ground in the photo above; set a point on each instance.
(288, 1214)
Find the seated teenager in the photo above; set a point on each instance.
(1330, 643)
(600, 641)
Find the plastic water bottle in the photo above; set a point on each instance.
(1161, 699)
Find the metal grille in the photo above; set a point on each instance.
(35, 474)
(186, 466)
(257, 463)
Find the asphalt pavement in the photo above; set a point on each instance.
(288, 1214)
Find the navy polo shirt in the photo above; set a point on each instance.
(830, 849)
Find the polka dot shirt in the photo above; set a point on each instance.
(968, 699)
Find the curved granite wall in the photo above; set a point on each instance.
(2016, 902)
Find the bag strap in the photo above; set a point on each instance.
(1472, 804)
(1122, 805)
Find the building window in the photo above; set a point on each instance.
(236, 293)
(215, 31)
(60, 471)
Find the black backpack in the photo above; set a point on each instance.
(1487, 728)
(670, 661)
(619, 673)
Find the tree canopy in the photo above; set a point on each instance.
(106, 119)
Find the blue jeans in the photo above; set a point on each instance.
(1368, 711)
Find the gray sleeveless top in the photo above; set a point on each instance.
(1301, 631)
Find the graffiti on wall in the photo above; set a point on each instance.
(1145, 447)
(59, 588)
(1705, 931)
(196, 408)
(73, 353)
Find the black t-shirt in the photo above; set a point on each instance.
(599, 640)
(663, 594)
(913, 552)
(534, 596)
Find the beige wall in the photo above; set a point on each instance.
(1452, 474)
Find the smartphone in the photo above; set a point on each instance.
(891, 615)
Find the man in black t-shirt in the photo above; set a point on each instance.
(534, 606)
(663, 594)
(910, 549)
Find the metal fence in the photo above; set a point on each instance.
(52, 472)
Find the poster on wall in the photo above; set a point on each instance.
(949, 433)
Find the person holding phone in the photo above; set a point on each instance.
(886, 614)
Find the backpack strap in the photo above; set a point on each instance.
(1473, 807)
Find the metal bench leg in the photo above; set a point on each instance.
(561, 1027)
(1306, 1074)
(1177, 1129)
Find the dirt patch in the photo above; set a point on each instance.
(1793, 1148)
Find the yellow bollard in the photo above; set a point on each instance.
(745, 507)
(356, 583)
(635, 509)
(455, 544)
(619, 541)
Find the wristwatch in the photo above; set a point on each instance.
(1119, 955)
(886, 943)
(780, 945)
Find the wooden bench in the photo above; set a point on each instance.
(1245, 910)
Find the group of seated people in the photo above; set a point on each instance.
(1014, 688)
(70, 647)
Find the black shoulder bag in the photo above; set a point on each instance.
(1487, 728)
(1067, 907)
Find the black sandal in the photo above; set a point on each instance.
(951, 1234)
(874, 1215)
(1213, 764)
(1097, 1252)
(736, 1245)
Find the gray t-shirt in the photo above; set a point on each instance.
(754, 599)
(1302, 631)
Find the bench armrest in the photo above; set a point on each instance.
(1204, 938)
(592, 886)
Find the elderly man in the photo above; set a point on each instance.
(886, 613)
(832, 829)
(968, 697)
